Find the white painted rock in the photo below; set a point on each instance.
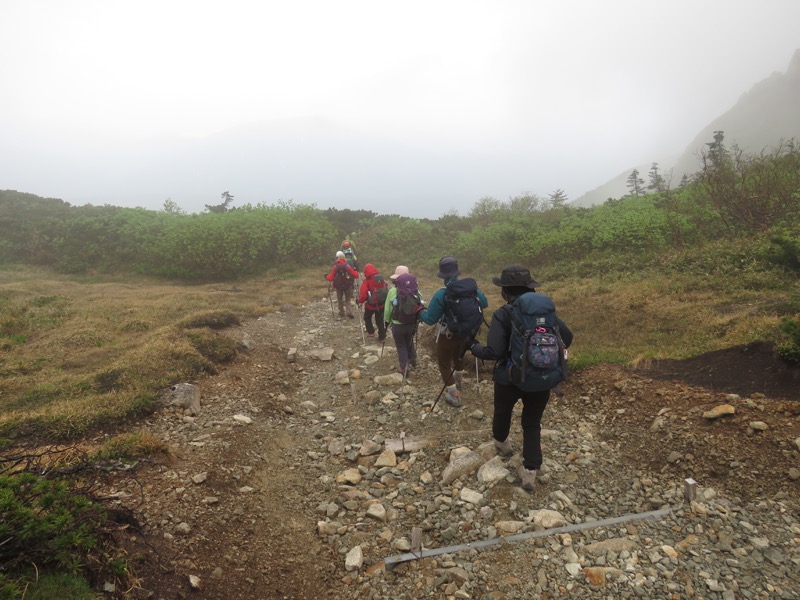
(492, 471)
(390, 379)
(469, 463)
(548, 518)
(471, 496)
(509, 527)
(354, 559)
(386, 459)
(323, 354)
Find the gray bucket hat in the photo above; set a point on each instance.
(515, 276)
(448, 267)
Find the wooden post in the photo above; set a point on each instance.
(416, 539)
(689, 490)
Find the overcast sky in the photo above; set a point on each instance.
(577, 90)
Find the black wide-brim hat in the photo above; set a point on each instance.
(515, 276)
(448, 267)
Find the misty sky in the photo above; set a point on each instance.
(571, 92)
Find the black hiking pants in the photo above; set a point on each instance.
(377, 315)
(533, 405)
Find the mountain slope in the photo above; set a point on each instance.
(768, 113)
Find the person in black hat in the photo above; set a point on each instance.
(516, 282)
(450, 347)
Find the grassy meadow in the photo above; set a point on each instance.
(94, 351)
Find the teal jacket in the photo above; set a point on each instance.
(433, 314)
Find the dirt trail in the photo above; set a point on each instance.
(238, 505)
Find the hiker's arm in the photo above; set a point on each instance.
(566, 333)
(433, 313)
(496, 346)
(387, 308)
(363, 292)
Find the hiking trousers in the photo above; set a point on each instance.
(377, 314)
(450, 357)
(404, 342)
(533, 405)
(344, 298)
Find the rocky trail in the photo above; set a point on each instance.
(284, 485)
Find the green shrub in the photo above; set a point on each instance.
(46, 586)
(48, 523)
(784, 250)
(789, 351)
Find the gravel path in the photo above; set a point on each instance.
(361, 503)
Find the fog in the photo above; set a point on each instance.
(417, 108)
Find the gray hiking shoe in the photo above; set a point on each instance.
(528, 477)
(452, 397)
(458, 377)
(504, 448)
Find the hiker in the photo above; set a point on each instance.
(401, 310)
(342, 277)
(513, 382)
(372, 295)
(349, 250)
(457, 308)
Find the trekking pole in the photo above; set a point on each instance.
(330, 287)
(477, 377)
(361, 321)
(435, 402)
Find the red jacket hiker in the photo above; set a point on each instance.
(351, 270)
(344, 284)
(369, 287)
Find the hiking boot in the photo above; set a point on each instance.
(528, 477)
(458, 377)
(504, 448)
(452, 397)
(350, 315)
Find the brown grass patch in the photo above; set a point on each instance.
(79, 353)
